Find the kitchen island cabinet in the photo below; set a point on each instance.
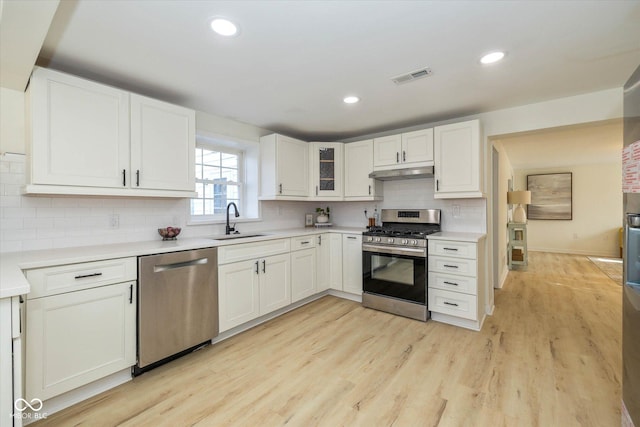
(86, 138)
(458, 161)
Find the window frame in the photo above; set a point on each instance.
(240, 183)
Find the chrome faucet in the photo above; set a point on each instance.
(229, 229)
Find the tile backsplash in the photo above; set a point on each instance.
(41, 222)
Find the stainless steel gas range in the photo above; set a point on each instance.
(394, 261)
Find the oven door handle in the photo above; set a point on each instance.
(420, 252)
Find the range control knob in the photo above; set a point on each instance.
(378, 239)
(414, 242)
(390, 240)
(405, 242)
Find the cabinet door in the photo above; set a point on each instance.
(352, 264)
(79, 131)
(303, 274)
(358, 158)
(326, 169)
(292, 167)
(323, 262)
(335, 263)
(238, 293)
(417, 147)
(79, 337)
(386, 150)
(457, 159)
(275, 282)
(162, 145)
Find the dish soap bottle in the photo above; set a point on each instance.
(376, 217)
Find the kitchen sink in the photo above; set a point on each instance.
(236, 236)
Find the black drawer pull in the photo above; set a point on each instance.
(451, 283)
(130, 294)
(450, 249)
(305, 242)
(451, 303)
(451, 266)
(84, 276)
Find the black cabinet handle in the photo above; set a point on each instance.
(320, 240)
(84, 276)
(450, 249)
(280, 188)
(451, 266)
(451, 303)
(351, 237)
(451, 283)
(397, 157)
(316, 190)
(138, 178)
(130, 294)
(124, 177)
(404, 156)
(369, 189)
(264, 266)
(437, 185)
(257, 267)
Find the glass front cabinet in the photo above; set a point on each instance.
(327, 170)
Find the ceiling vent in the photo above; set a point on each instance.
(413, 75)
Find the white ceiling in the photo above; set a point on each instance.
(293, 61)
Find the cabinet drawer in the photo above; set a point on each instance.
(455, 283)
(74, 277)
(453, 248)
(465, 267)
(304, 242)
(245, 251)
(453, 303)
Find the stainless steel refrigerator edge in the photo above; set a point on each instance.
(177, 305)
(631, 286)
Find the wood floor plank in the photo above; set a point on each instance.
(549, 356)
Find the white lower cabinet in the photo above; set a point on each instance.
(323, 261)
(456, 293)
(79, 337)
(352, 263)
(335, 262)
(303, 274)
(255, 286)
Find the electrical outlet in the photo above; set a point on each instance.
(114, 221)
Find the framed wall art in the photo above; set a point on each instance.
(551, 196)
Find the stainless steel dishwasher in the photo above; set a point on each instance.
(177, 305)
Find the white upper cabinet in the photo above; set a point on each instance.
(458, 170)
(161, 156)
(87, 138)
(403, 150)
(79, 131)
(284, 168)
(326, 167)
(358, 158)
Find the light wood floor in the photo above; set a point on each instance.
(549, 356)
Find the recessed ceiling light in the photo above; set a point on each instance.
(351, 99)
(492, 57)
(224, 27)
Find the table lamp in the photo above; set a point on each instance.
(519, 198)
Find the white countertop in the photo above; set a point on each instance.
(459, 236)
(12, 264)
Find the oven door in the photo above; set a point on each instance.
(394, 272)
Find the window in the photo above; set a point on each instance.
(218, 182)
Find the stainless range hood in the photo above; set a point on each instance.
(409, 173)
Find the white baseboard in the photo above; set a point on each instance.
(503, 277)
(575, 252)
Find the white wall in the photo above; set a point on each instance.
(11, 121)
(505, 174)
(597, 212)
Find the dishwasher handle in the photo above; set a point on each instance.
(164, 267)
